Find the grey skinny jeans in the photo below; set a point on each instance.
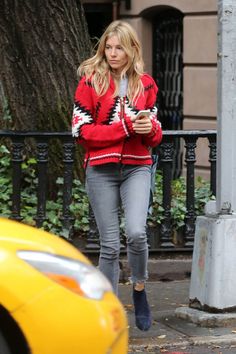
(106, 186)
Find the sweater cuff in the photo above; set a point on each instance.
(155, 127)
(129, 125)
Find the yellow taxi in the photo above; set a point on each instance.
(52, 300)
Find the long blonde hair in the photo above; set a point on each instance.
(97, 69)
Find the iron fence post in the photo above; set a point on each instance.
(16, 160)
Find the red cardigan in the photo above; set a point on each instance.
(106, 136)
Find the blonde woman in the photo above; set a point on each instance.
(115, 119)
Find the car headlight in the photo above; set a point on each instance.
(82, 278)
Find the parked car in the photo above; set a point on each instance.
(52, 300)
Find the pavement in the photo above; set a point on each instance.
(175, 329)
(170, 334)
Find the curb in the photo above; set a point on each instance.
(228, 339)
(205, 319)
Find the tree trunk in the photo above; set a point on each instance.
(41, 45)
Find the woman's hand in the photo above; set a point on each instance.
(142, 125)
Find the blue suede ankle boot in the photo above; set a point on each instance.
(143, 318)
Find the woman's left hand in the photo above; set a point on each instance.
(142, 125)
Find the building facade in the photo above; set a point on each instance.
(179, 39)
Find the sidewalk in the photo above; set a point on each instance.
(168, 332)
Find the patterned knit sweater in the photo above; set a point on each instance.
(108, 136)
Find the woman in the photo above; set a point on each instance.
(117, 139)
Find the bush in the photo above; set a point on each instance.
(5, 182)
(178, 200)
(80, 206)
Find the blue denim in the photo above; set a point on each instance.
(107, 185)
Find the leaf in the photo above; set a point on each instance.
(162, 336)
(128, 306)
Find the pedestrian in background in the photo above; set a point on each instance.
(108, 121)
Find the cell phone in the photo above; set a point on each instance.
(144, 112)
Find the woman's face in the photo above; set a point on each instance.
(115, 54)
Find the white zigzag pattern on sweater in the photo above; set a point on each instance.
(79, 118)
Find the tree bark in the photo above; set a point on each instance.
(41, 45)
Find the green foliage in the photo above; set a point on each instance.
(155, 217)
(178, 207)
(79, 207)
(5, 182)
(178, 200)
(202, 195)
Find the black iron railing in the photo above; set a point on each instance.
(42, 142)
(166, 159)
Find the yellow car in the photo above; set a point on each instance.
(52, 300)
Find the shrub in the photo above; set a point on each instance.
(80, 206)
(178, 200)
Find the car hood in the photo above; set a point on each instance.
(18, 236)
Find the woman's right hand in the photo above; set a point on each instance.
(142, 125)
